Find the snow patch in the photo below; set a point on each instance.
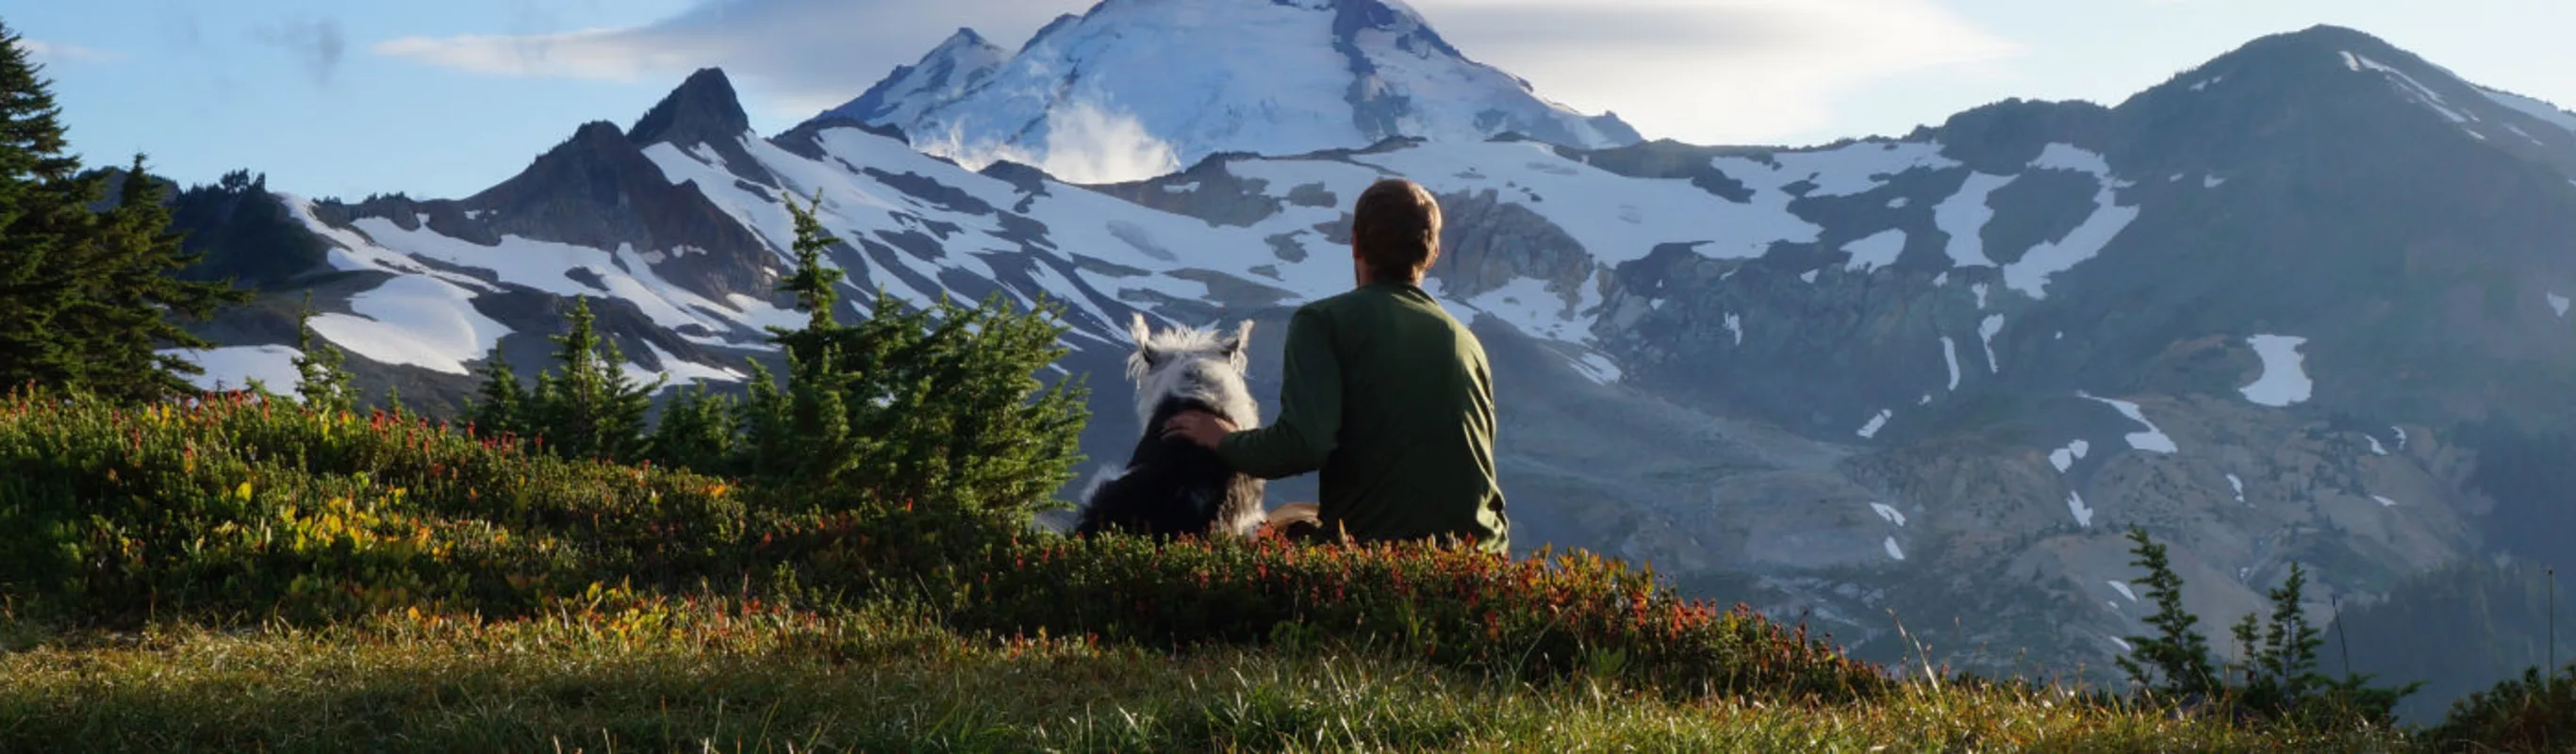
(1950, 356)
(1980, 290)
(1963, 217)
(1597, 368)
(2065, 458)
(1735, 325)
(1878, 250)
(1889, 512)
(2031, 274)
(2075, 505)
(1876, 423)
(2384, 502)
(2153, 440)
(234, 367)
(2401, 436)
(2285, 379)
(2376, 448)
(1809, 276)
(2211, 182)
(1986, 331)
(2123, 589)
(414, 321)
(2558, 303)
(2422, 94)
(2238, 485)
(2546, 112)
(1892, 550)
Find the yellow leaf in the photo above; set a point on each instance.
(243, 492)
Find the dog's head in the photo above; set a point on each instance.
(1190, 361)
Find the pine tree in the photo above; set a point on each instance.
(131, 290)
(323, 383)
(593, 411)
(86, 295)
(769, 441)
(2289, 657)
(43, 221)
(812, 282)
(503, 409)
(2175, 661)
(696, 432)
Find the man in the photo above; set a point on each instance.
(1384, 393)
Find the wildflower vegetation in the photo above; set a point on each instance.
(844, 561)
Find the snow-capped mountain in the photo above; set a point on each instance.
(1136, 88)
(2272, 309)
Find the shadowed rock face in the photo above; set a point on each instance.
(1934, 375)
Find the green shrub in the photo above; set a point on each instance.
(2525, 714)
(251, 504)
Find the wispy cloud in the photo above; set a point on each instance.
(804, 54)
(316, 43)
(58, 52)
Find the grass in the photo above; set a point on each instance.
(721, 676)
(248, 576)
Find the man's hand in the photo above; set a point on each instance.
(1199, 427)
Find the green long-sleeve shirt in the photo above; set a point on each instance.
(1392, 400)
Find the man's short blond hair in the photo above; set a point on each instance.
(1395, 226)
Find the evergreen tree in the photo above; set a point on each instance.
(696, 432)
(86, 295)
(132, 288)
(44, 222)
(2175, 661)
(2289, 657)
(323, 383)
(594, 410)
(938, 404)
(812, 283)
(503, 409)
(769, 442)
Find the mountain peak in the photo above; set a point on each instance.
(962, 61)
(703, 110)
(1132, 87)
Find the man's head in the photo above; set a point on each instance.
(1395, 231)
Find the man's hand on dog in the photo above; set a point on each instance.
(1199, 427)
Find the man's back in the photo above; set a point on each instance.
(1393, 398)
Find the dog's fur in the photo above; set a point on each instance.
(1170, 486)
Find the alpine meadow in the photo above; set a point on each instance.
(2230, 416)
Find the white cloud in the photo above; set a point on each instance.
(800, 55)
(1707, 71)
(1085, 143)
(58, 52)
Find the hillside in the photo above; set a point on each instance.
(2281, 308)
(250, 574)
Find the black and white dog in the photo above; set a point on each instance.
(1170, 486)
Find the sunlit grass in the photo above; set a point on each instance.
(652, 676)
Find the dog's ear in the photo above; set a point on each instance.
(1240, 340)
(1137, 329)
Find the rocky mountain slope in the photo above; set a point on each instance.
(1926, 379)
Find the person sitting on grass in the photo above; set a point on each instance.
(1383, 393)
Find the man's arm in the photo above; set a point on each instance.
(1310, 408)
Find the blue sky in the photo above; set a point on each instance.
(443, 99)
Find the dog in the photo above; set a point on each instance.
(1171, 487)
